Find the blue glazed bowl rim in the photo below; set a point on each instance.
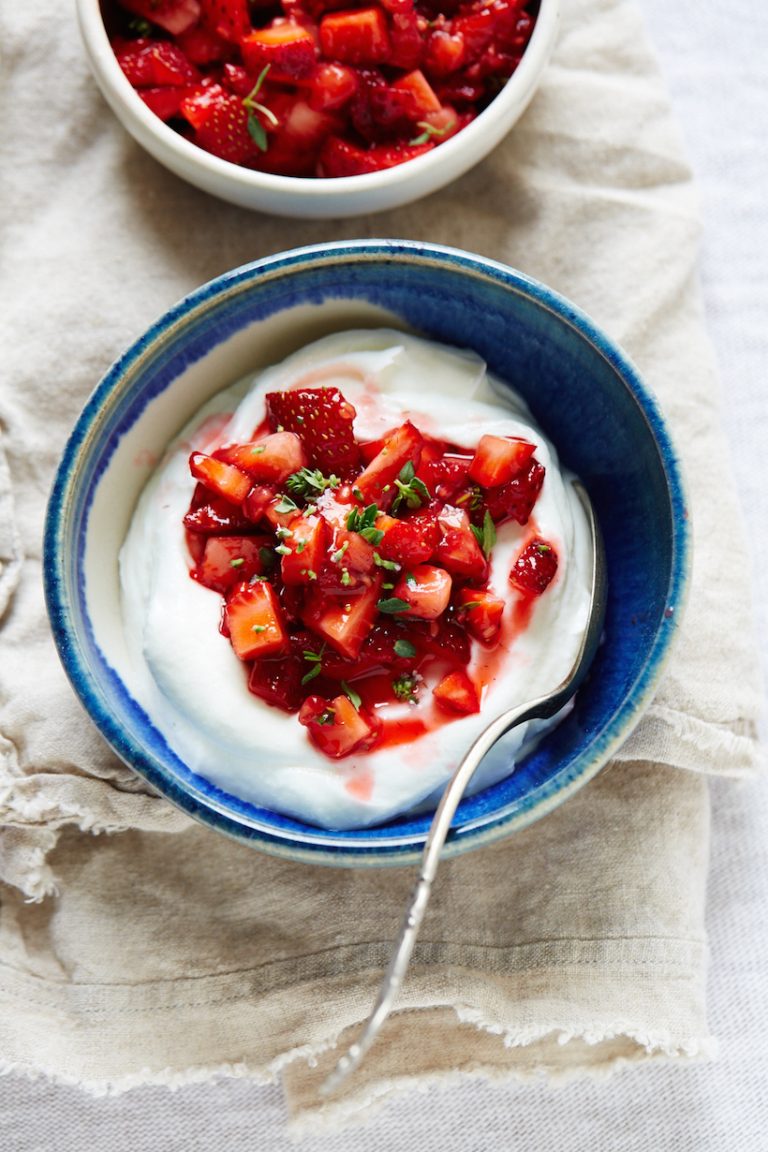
(364, 847)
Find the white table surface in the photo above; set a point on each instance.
(715, 58)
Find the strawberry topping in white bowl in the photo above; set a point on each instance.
(343, 570)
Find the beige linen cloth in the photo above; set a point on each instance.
(161, 952)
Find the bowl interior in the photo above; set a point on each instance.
(580, 388)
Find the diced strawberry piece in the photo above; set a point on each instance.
(534, 569)
(279, 512)
(339, 157)
(256, 502)
(278, 680)
(411, 540)
(164, 102)
(446, 122)
(273, 459)
(202, 46)
(287, 47)
(156, 64)
(331, 86)
(403, 446)
(348, 562)
(444, 53)
(228, 18)
(355, 37)
(447, 639)
(378, 651)
(498, 458)
(456, 693)
(336, 727)
(323, 419)
(297, 141)
(220, 120)
(405, 38)
(515, 500)
(254, 621)
(422, 99)
(443, 472)
(306, 544)
(230, 560)
(175, 16)
(212, 514)
(458, 550)
(344, 623)
(235, 79)
(426, 589)
(481, 612)
(223, 479)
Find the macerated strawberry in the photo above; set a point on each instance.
(443, 472)
(411, 540)
(286, 47)
(515, 500)
(355, 37)
(444, 53)
(323, 419)
(278, 680)
(272, 459)
(331, 86)
(259, 497)
(220, 120)
(348, 563)
(303, 549)
(156, 64)
(387, 645)
(405, 38)
(230, 560)
(426, 590)
(254, 621)
(458, 550)
(228, 18)
(164, 102)
(219, 477)
(499, 458)
(175, 16)
(202, 46)
(212, 514)
(340, 157)
(457, 693)
(377, 483)
(444, 638)
(337, 727)
(481, 612)
(534, 569)
(344, 623)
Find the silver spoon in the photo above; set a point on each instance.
(542, 707)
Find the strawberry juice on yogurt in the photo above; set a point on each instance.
(344, 570)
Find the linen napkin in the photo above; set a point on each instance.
(164, 953)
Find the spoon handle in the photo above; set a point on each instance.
(417, 905)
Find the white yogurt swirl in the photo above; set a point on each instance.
(186, 675)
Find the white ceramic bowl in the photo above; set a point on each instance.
(315, 198)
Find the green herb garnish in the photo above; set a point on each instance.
(364, 523)
(309, 483)
(430, 131)
(410, 490)
(405, 687)
(392, 605)
(485, 536)
(405, 649)
(256, 129)
(353, 696)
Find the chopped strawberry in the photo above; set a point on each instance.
(213, 514)
(411, 540)
(426, 590)
(272, 459)
(355, 37)
(220, 478)
(254, 621)
(534, 569)
(377, 482)
(227, 18)
(421, 98)
(164, 102)
(331, 86)
(278, 679)
(337, 727)
(444, 53)
(405, 38)
(156, 64)
(344, 623)
(221, 120)
(387, 645)
(458, 550)
(259, 497)
(280, 512)
(303, 548)
(481, 612)
(339, 157)
(498, 458)
(230, 560)
(202, 46)
(456, 693)
(348, 562)
(515, 499)
(175, 16)
(287, 47)
(323, 419)
(443, 472)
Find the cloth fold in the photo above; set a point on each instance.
(575, 946)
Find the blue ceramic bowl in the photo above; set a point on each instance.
(580, 387)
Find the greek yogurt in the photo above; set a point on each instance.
(186, 675)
